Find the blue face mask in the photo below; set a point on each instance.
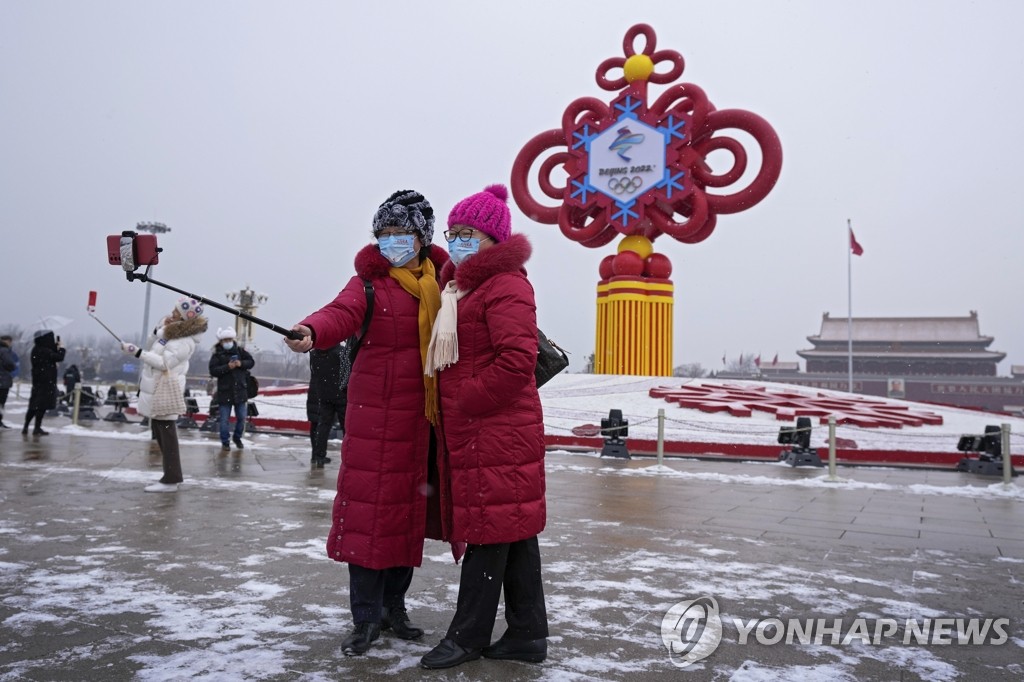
(461, 250)
(228, 345)
(398, 249)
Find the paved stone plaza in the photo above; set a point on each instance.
(227, 579)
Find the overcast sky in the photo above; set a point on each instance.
(265, 135)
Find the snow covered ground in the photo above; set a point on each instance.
(228, 580)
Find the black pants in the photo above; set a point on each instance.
(166, 433)
(3, 401)
(371, 589)
(37, 414)
(486, 569)
(324, 422)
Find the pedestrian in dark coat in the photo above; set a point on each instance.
(230, 364)
(72, 377)
(47, 353)
(380, 515)
(326, 401)
(491, 458)
(8, 365)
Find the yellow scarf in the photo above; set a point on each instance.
(421, 282)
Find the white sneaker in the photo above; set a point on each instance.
(162, 488)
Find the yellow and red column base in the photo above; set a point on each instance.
(634, 326)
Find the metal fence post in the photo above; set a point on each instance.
(1004, 437)
(78, 397)
(832, 447)
(661, 434)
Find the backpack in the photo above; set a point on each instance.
(348, 358)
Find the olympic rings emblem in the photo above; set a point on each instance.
(625, 185)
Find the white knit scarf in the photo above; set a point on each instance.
(443, 350)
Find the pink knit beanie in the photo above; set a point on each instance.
(486, 211)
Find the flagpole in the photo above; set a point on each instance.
(849, 303)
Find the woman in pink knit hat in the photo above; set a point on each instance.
(491, 456)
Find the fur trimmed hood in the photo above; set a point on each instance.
(371, 265)
(181, 329)
(507, 256)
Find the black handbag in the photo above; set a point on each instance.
(551, 359)
(252, 387)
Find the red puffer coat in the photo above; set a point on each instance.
(380, 511)
(492, 463)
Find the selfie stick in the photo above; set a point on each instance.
(91, 307)
(287, 333)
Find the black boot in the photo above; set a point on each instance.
(361, 638)
(319, 462)
(448, 654)
(397, 619)
(529, 650)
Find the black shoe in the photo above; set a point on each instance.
(397, 619)
(361, 638)
(529, 650)
(238, 444)
(4, 426)
(319, 462)
(24, 431)
(40, 432)
(448, 654)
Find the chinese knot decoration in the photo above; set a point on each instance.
(640, 169)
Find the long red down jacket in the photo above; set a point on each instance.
(492, 463)
(381, 509)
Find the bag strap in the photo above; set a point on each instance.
(357, 340)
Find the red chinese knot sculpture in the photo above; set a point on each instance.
(640, 169)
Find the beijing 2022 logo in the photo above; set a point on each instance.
(691, 630)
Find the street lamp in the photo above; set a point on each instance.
(152, 228)
(246, 300)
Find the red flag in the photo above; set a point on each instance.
(757, 360)
(775, 360)
(855, 245)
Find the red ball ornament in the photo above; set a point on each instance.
(628, 263)
(658, 266)
(605, 268)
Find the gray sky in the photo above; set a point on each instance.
(265, 134)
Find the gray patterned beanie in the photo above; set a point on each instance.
(409, 209)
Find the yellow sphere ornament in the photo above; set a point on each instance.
(639, 67)
(638, 244)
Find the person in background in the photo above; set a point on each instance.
(176, 341)
(47, 353)
(384, 507)
(328, 375)
(230, 364)
(72, 377)
(491, 458)
(8, 365)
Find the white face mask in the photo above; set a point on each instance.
(228, 345)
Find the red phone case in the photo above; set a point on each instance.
(144, 250)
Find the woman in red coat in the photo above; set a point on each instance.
(492, 456)
(380, 515)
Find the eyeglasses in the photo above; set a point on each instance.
(393, 232)
(465, 234)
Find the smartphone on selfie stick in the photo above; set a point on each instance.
(131, 250)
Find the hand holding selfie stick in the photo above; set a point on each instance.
(122, 250)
